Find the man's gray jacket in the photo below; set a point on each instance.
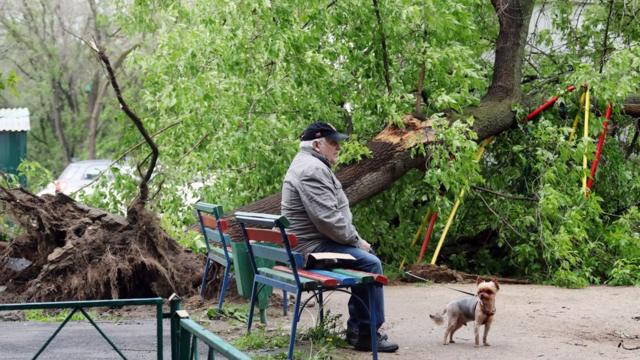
(315, 204)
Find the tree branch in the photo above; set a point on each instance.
(506, 196)
(502, 220)
(144, 188)
(126, 153)
(606, 37)
(383, 43)
(633, 141)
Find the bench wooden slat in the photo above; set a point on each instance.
(272, 236)
(364, 277)
(343, 279)
(214, 235)
(219, 250)
(218, 256)
(209, 208)
(307, 284)
(276, 254)
(379, 278)
(210, 222)
(261, 219)
(324, 280)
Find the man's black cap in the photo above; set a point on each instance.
(321, 129)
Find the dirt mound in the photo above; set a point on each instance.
(71, 251)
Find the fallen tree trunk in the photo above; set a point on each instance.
(391, 159)
(391, 148)
(631, 106)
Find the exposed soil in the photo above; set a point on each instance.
(71, 251)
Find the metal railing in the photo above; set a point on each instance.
(81, 306)
(186, 334)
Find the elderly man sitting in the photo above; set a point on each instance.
(318, 210)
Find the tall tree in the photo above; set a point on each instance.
(59, 79)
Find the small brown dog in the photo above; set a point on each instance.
(479, 308)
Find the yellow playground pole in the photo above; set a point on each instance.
(585, 136)
(479, 153)
(417, 235)
(574, 126)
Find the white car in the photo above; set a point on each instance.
(77, 175)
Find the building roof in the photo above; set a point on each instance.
(14, 119)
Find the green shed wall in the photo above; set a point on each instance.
(13, 149)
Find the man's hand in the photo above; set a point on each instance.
(364, 245)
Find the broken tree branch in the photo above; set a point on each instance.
(383, 43)
(143, 187)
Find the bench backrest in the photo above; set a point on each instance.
(212, 225)
(261, 241)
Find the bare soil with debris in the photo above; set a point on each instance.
(70, 251)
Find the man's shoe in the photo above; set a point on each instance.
(352, 336)
(363, 343)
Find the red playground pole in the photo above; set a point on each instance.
(427, 236)
(548, 104)
(603, 135)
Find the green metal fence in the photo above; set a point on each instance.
(186, 334)
(80, 306)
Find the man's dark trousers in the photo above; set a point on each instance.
(358, 314)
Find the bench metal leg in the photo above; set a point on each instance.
(254, 297)
(294, 325)
(285, 302)
(225, 284)
(373, 320)
(321, 306)
(203, 286)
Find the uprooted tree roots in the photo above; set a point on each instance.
(78, 252)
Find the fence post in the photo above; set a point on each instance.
(174, 306)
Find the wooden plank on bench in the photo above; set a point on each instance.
(379, 278)
(217, 254)
(272, 236)
(343, 279)
(307, 284)
(324, 280)
(364, 277)
(214, 235)
(220, 251)
(276, 254)
(210, 222)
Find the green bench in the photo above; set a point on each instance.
(290, 274)
(213, 228)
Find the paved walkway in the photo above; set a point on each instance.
(80, 340)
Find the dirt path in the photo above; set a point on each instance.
(532, 322)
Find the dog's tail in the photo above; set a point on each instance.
(437, 318)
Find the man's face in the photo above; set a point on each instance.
(329, 149)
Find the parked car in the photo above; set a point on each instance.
(77, 175)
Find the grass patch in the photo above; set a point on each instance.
(42, 315)
(316, 343)
(230, 311)
(262, 340)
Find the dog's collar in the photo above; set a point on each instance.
(484, 311)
